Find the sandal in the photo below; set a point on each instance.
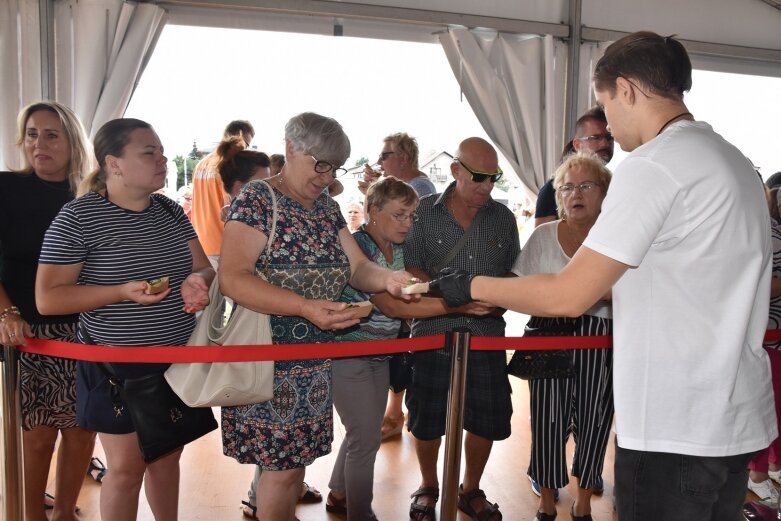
(48, 503)
(250, 511)
(465, 498)
(586, 517)
(391, 427)
(416, 509)
(336, 506)
(311, 495)
(97, 469)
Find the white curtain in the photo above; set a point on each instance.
(516, 88)
(590, 53)
(102, 47)
(20, 81)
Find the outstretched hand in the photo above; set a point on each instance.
(454, 286)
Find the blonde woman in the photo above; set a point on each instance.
(56, 156)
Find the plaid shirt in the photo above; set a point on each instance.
(490, 250)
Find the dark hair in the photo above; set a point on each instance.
(593, 114)
(774, 180)
(238, 163)
(658, 63)
(241, 128)
(111, 140)
(277, 162)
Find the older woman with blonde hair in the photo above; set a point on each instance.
(399, 158)
(56, 156)
(583, 403)
(313, 256)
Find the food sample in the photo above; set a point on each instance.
(360, 309)
(413, 286)
(156, 285)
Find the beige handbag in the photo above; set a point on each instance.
(227, 383)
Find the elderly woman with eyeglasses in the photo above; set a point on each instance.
(313, 256)
(581, 404)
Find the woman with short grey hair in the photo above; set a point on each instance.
(308, 266)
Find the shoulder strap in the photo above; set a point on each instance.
(462, 241)
(274, 217)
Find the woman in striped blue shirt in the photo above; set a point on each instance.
(97, 259)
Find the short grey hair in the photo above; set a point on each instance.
(320, 136)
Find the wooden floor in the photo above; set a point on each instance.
(213, 485)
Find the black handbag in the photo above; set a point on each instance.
(544, 363)
(163, 422)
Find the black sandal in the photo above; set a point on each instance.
(251, 512)
(428, 512)
(465, 498)
(97, 469)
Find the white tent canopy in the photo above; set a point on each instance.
(517, 66)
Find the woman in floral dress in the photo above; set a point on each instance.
(313, 256)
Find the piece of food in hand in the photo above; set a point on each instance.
(414, 286)
(155, 286)
(360, 309)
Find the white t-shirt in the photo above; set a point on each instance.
(687, 211)
(543, 254)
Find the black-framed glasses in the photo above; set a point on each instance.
(324, 167)
(385, 155)
(596, 138)
(569, 189)
(479, 177)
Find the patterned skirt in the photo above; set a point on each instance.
(295, 427)
(48, 383)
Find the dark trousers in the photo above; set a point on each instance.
(654, 486)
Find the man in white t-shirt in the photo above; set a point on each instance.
(683, 242)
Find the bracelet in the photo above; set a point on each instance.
(12, 310)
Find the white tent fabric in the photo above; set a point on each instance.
(516, 88)
(102, 49)
(20, 82)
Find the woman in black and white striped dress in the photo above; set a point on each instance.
(583, 404)
(97, 257)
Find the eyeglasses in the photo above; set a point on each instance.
(479, 177)
(596, 138)
(324, 167)
(584, 188)
(384, 156)
(403, 217)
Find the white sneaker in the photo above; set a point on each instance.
(775, 475)
(766, 491)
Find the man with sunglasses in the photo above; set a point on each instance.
(591, 133)
(461, 228)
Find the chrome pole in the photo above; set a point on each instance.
(13, 484)
(458, 343)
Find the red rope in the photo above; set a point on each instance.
(174, 354)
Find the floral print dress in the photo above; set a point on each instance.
(296, 426)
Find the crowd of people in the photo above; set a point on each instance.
(673, 253)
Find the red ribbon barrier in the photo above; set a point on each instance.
(179, 354)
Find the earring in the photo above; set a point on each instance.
(374, 223)
(116, 173)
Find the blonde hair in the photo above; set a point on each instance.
(406, 144)
(387, 189)
(81, 159)
(584, 160)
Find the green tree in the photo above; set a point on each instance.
(503, 184)
(362, 161)
(180, 163)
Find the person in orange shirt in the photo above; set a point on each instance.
(209, 196)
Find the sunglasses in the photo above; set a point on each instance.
(385, 155)
(479, 177)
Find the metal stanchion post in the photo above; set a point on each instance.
(458, 343)
(13, 485)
